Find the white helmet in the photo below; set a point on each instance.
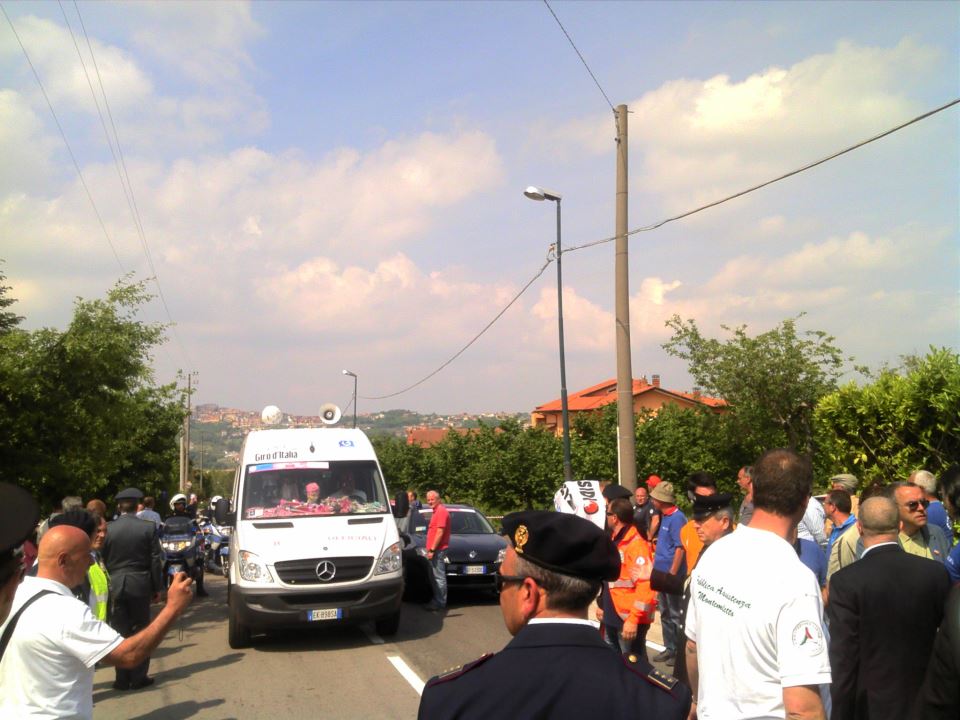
(179, 497)
(215, 499)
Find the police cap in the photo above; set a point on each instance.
(130, 493)
(563, 543)
(614, 491)
(706, 505)
(19, 514)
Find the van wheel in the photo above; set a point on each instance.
(388, 625)
(238, 634)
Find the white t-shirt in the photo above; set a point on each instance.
(757, 618)
(47, 669)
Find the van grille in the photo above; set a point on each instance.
(304, 572)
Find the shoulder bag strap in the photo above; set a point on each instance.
(13, 621)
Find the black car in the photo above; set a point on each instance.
(474, 555)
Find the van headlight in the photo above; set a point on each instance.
(390, 560)
(253, 569)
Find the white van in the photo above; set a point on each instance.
(314, 540)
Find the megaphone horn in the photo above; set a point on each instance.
(330, 414)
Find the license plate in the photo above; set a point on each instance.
(328, 614)
(475, 570)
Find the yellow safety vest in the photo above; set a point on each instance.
(99, 591)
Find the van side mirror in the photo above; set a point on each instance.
(222, 514)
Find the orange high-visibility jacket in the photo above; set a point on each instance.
(633, 600)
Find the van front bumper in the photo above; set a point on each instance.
(273, 607)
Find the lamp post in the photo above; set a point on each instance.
(354, 376)
(539, 194)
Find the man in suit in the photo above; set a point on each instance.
(131, 553)
(556, 666)
(884, 612)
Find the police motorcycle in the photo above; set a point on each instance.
(182, 544)
(216, 541)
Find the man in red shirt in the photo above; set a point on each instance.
(438, 539)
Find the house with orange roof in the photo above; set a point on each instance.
(646, 396)
(427, 436)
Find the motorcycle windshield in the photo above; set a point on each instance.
(312, 489)
(177, 525)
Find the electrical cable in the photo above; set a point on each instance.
(475, 338)
(808, 166)
(127, 186)
(654, 226)
(616, 117)
(66, 142)
(579, 55)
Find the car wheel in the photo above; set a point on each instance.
(238, 634)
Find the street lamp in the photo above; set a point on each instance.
(354, 376)
(539, 194)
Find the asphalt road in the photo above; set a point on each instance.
(330, 671)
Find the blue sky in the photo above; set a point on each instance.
(339, 185)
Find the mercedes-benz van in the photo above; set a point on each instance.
(314, 540)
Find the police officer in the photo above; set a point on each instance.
(178, 503)
(19, 514)
(131, 553)
(557, 666)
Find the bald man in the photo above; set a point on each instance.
(48, 666)
(884, 613)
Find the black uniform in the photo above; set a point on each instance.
(131, 553)
(555, 670)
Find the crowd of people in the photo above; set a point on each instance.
(845, 606)
(793, 606)
(78, 596)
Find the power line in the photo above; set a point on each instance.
(656, 225)
(579, 54)
(127, 186)
(475, 338)
(66, 142)
(808, 166)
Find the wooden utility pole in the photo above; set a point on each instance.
(185, 439)
(626, 437)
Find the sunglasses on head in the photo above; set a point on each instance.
(914, 504)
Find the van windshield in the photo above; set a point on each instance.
(314, 488)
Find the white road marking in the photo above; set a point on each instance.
(409, 675)
(656, 646)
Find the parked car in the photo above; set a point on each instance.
(473, 558)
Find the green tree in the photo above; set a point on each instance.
(907, 418)
(677, 442)
(593, 444)
(772, 381)
(8, 319)
(81, 412)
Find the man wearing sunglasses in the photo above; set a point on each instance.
(557, 665)
(917, 536)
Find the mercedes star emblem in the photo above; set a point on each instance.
(326, 570)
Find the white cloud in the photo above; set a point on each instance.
(586, 326)
(702, 138)
(52, 52)
(205, 41)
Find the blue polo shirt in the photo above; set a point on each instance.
(668, 540)
(839, 530)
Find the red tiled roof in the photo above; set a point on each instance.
(606, 392)
(430, 436)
